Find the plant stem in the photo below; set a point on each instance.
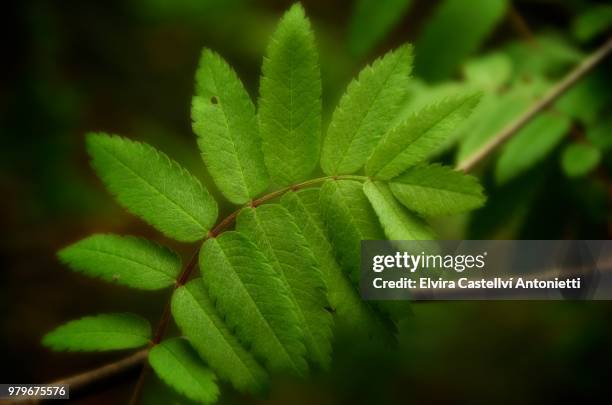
(107, 371)
(85, 379)
(553, 94)
(520, 25)
(162, 325)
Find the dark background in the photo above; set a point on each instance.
(127, 67)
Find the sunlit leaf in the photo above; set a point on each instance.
(100, 333)
(150, 185)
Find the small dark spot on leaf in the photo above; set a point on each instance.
(214, 100)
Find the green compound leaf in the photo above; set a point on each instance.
(126, 260)
(371, 20)
(414, 140)
(176, 363)
(531, 144)
(150, 185)
(228, 136)
(198, 319)
(290, 100)
(349, 219)
(578, 159)
(397, 222)
(100, 333)
(466, 23)
(437, 190)
(353, 316)
(272, 228)
(365, 112)
(254, 301)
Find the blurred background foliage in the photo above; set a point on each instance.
(128, 66)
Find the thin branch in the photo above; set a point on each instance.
(81, 380)
(520, 25)
(553, 94)
(162, 325)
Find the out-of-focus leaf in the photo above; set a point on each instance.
(506, 210)
(578, 159)
(531, 144)
(457, 28)
(488, 72)
(591, 23)
(586, 100)
(175, 362)
(436, 190)
(548, 55)
(492, 114)
(420, 95)
(371, 20)
(600, 134)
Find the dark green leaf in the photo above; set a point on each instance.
(349, 219)
(371, 20)
(272, 228)
(253, 300)
(176, 363)
(198, 319)
(457, 28)
(578, 159)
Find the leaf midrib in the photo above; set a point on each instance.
(230, 132)
(295, 301)
(128, 259)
